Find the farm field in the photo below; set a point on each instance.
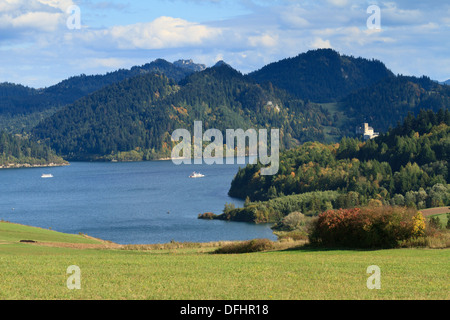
(191, 272)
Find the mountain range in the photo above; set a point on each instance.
(22, 108)
(319, 95)
(138, 114)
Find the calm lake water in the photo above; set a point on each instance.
(127, 203)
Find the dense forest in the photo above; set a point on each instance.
(136, 116)
(406, 166)
(223, 98)
(117, 118)
(362, 90)
(390, 100)
(17, 151)
(22, 108)
(322, 75)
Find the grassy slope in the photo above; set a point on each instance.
(11, 232)
(36, 272)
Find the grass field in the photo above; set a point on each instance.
(38, 271)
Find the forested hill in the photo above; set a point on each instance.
(76, 87)
(21, 108)
(8, 90)
(322, 75)
(17, 151)
(139, 114)
(17, 99)
(390, 100)
(362, 90)
(223, 98)
(406, 166)
(119, 117)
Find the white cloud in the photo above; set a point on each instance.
(265, 40)
(295, 17)
(62, 5)
(339, 3)
(319, 43)
(34, 16)
(32, 21)
(34, 33)
(162, 33)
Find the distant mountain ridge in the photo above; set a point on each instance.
(322, 75)
(29, 105)
(67, 91)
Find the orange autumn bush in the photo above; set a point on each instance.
(371, 227)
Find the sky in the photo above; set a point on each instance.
(43, 42)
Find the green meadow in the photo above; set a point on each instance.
(193, 272)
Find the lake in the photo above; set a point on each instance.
(126, 202)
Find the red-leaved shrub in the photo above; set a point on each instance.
(373, 227)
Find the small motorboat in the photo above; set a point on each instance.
(196, 175)
(47, 175)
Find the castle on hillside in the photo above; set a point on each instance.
(366, 131)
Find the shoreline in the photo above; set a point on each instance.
(196, 158)
(127, 246)
(27, 165)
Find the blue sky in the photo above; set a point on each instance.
(38, 49)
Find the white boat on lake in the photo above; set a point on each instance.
(196, 175)
(47, 175)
